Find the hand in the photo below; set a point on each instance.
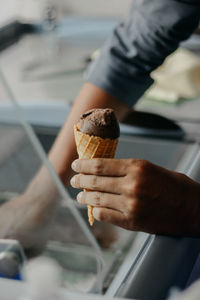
(138, 195)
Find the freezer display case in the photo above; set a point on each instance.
(152, 265)
(44, 219)
(103, 259)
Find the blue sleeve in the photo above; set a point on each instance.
(152, 31)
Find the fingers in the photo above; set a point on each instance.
(114, 185)
(101, 166)
(97, 199)
(110, 216)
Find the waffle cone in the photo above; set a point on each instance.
(93, 147)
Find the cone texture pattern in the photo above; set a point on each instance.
(93, 147)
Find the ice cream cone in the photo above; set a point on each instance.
(93, 147)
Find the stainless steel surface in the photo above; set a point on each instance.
(168, 263)
(140, 245)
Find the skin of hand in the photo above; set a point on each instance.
(28, 217)
(138, 195)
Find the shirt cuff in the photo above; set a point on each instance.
(121, 86)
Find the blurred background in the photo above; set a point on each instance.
(52, 65)
(90, 8)
(75, 32)
(46, 47)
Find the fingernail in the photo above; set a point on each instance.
(74, 165)
(73, 181)
(80, 197)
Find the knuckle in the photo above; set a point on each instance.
(97, 199)
(98, 167)
(129, 189)
(132, 161)
(131, 165)
(142, 167)
(134, 188)
(139, 166)
(93, 182)
(132, 206)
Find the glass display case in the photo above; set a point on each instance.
(93, 259)
(50, 225)
(102, 259)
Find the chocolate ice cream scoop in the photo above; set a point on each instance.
(100, 122)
